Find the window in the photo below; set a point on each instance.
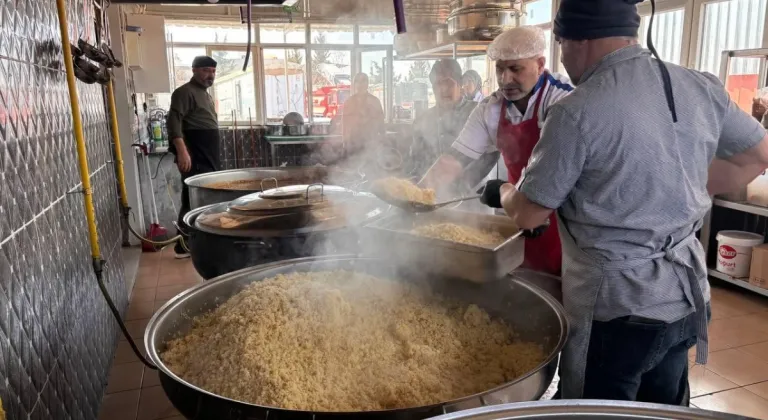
(219, 33)
(667, 34)
(413, 91)
(538, 12)
(234, 89)
(374, 64)
(331, 34)
(730, 25)
(548, 50)
(182, 73)
(282, 33)
(182, 63)
(285, 83)
(331, 82)
(376, 35)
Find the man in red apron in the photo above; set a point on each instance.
(509, 122)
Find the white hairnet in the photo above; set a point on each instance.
(518, 43)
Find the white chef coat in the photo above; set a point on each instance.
(479, 133)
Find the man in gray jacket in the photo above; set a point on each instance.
(193, 127)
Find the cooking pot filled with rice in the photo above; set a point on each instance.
(343, 336)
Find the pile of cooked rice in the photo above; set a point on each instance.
(346, 341)
(461, 234)
(405, 190)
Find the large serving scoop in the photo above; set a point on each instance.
(413, 206)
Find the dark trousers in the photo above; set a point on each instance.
(638, 359)
(197, 169)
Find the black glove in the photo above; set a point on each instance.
(536, 232)
(491, 193)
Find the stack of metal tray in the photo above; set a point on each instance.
(390, 238)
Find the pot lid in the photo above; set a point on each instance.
(334, 209)
(283, 200)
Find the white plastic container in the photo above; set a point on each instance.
(734, 251)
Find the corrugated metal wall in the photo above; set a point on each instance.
(731, 25)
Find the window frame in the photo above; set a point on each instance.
(644, 9)
(209, 48)
(689, 55)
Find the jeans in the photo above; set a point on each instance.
(638, 359)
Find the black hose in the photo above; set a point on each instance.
(100, 280)
(157, 169)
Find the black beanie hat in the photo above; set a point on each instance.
(579, 20)
(203, 61)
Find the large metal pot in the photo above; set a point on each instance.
(587, 410)
(460, 4)
(207, 188)
(295, 130)
(482, 23)
(218, 250)
(320, 129)
(532, 313)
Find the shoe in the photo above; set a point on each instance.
(181, 255)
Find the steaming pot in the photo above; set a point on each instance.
(222, 186)
(531, 312)
(587, 409)
(277, 224)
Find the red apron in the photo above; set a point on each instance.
(516, 143)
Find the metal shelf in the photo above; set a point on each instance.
(458, 49)
(737, 282)
(745, 207)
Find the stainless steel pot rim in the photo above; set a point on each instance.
(484, 9)
(191, 217)
(193, 180)
(154, 356)
(601, 408)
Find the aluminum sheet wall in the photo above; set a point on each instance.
(56, 335)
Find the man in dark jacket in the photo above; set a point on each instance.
(193, 127)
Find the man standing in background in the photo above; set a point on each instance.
(193, 127)
(362, 115)
(436, 130)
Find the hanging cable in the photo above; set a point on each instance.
(666, 79)
(248, 49)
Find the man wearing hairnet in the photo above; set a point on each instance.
(623, 162)
(510, 121)
(438, 127)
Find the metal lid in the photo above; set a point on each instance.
(284, 200)
(254, 216)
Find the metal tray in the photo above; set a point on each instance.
(390, 238)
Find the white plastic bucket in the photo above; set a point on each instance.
(734, 251)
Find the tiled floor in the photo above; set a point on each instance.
(735, 379)
(133, 391)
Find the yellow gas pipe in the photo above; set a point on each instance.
(118, 150)
(82, 157)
